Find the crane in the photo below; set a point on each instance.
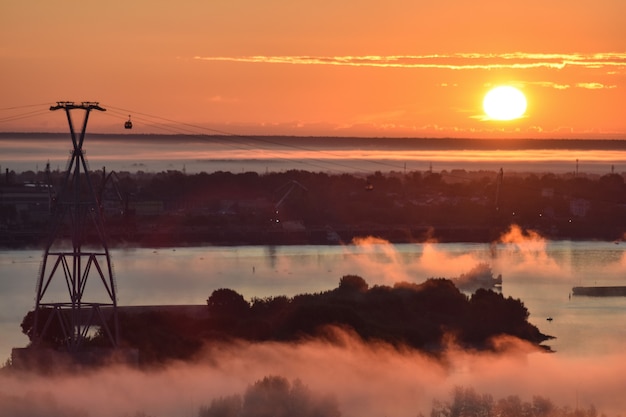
(289, 186)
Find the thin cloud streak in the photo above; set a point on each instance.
(595, 86)
(588, 86)
(457, 61)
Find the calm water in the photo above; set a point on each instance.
(156, 153)
(539, 273)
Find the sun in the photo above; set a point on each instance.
(504, 103)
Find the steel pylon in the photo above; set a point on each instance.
(76, 252)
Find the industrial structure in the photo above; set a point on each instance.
(76, 256)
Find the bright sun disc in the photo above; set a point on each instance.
(504, 103)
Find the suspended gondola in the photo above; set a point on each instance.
(128, 124)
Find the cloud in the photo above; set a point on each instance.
(588, 85)
(550, 84)
(595, 86)
(457, 61)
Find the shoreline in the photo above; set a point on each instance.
(315, 236)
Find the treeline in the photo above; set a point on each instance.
(423, 316)
(413, 206)
(277, 397)
(173, 208)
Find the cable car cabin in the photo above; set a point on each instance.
(128, 124)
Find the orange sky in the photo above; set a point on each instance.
(330, 67)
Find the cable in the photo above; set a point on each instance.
(24, 106)
(234, 145)
(262, 140)
(23, 116)
(238, 145)
(254, 138)
(243, 142)
(236, 141)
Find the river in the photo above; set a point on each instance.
(539, 272)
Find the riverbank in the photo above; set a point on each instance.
(262, 236)
(300, 207)
(254, 236)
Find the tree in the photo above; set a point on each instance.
(466, 402)
(353, 283)
(225, 302)
(222, 407)
(273, 396)
(54, 335)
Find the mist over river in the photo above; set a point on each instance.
(538, 272)
(587, 368)
(204, 153)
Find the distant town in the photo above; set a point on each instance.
(173, 208)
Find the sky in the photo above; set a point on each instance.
(334, 68)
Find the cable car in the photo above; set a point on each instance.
(128, 124)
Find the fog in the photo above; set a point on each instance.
(153, 153)
(365, 379)
(527, 249)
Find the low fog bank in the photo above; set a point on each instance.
(355, 378)
(361, 379)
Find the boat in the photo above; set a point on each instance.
(608, 291)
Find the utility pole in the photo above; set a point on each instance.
(77, 217)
